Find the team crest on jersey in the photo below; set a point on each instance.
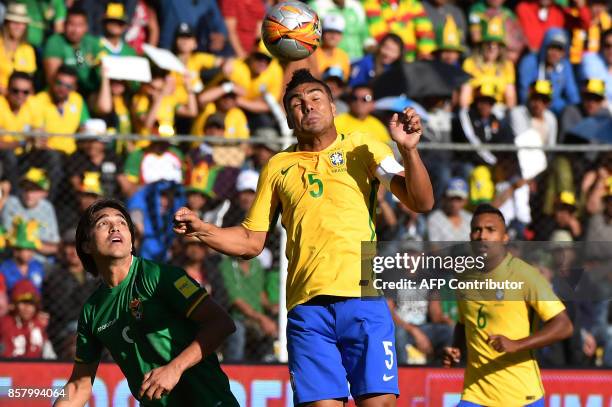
(136, 308)
(337, 158)
(499, 294)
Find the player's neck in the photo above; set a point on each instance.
(114, 271)
(317, 142)
(492, 262)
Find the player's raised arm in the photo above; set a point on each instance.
(413, 186)
(234, 241)
(78, 389)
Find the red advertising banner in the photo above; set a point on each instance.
(268, 386)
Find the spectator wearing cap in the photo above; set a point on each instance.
(550, 63)
(535, 116)
(246, 185)
(478, 125)
(61, 110)
(204, 16)
(75, 48)
(359, 117)
(480, 15)
(448, 43)
(355, 33)
(599, 65)
(489, 64)
(243, 21)
(32, 205)
(115, 24)
(440, 11)
(329, 54)
(565, 216)
(84, 194)
(65, 289)
(44, 20)
(94, 156)
(23, 333)
(451, 223)
(406, 18)
(23, 241)
(200, 190)
(593, 93)
(539, 16)
(15, 53)
(335, 79)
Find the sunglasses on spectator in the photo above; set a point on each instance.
(68, 86)
(364, 98)
(17, 91)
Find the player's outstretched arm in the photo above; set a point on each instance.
(413, 187)
(207, 314)
(235, 241)
(555, 329)
(78, 389)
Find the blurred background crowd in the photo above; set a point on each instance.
(486, 72)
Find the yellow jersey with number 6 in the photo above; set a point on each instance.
(504, 379)
(326, 200)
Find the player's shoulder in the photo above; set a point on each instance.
(522, 270)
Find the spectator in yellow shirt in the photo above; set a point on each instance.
(236, 126)
(15, 53)
(61, 110)
(359, 118)
(329, 54)
(17, 113)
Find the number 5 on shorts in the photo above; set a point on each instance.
(388, 345)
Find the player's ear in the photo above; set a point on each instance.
(506, 238)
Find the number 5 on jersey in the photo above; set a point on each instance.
(315, 185)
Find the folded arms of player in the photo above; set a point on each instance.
(236, 241)
(207, 313)
(411, 186)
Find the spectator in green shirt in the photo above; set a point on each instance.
(75, 48)
(115, 24)
(245, 283)
(46, 16)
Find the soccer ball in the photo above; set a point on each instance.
(291, 30)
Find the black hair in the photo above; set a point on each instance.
(487, 208)
(76, 11)
(20, 75)
(396, 39)
(67, 70)
(300, 77)
(86, 223)
(361, 86)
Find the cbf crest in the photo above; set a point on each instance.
(136, 308)
(337, 160)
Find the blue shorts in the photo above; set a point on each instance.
(537, 403)
(334, 339)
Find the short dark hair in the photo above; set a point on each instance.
(67, 70)
(487, 208)
(76, 11)
(86, 223)
(21, 75)
(300, 77)
(396, 39)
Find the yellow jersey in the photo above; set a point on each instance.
(67, 121)
(165, 113)
(236, 125)
(270, 79)
(504, 379)
(347, 123)
(24, 120)
(327, 203)
(196, 62)
(23, 59)
(338, 58)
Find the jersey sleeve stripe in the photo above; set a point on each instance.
(196, 302)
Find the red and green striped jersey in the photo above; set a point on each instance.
(406, 18)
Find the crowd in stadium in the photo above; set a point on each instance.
(540, 70)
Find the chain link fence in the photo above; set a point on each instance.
(44, 193)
